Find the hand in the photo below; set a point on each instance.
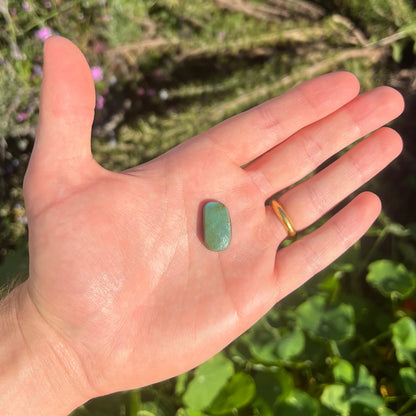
(125, 289)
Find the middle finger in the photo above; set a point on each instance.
(304, 151)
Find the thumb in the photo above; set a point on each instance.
(63, 139)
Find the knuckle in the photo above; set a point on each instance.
(312, 150)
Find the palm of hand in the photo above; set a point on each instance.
(139, 257)
(118, 266)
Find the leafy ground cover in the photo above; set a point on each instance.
(345, 343)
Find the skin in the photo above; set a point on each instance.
(122, 291)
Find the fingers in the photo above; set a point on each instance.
(307, 149)
(67, 103)
(307, 256)
(248, 135)
(310, 200)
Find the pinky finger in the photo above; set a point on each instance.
(307, 256)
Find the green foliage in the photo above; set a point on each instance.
(209, 379)
(408, 377)
(297, 403)
(217, 390)
(390, 279)
(354, 387)
(345, 344)
(326, 321)
(404, 340)
(15, 265)
(236, 394)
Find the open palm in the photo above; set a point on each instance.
(118, 268)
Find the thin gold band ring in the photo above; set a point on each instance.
(283, 218)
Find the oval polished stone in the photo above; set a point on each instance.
(217, 226)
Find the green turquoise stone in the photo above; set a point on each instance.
(217, 226)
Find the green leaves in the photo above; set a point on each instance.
(404, 340)
(408, 377)
(271, 345)
(328, 322)
(353, 387)
(272, 387)
(344, 372)
(217, 390)
(237, 393)
(391, 279)
(297, 403)
(208, 381)
(291, 344)
(333, 397)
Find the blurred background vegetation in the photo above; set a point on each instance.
(165, 70)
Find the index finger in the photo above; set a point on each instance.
(248, 135)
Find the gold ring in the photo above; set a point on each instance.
(284, 218)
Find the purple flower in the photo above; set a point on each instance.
(43, 33)
(37, 70)
(47, 4)
(13, 11)
(100, 102)
(97, 73)
(22, 117)
(25, 6)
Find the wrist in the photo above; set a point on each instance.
(39, 373)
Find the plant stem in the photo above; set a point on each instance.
(334, 348)
(40, 22)
(372, 341)
(133, 402)
(406, 406)
(380, 239)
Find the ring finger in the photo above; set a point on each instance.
(310, 200)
